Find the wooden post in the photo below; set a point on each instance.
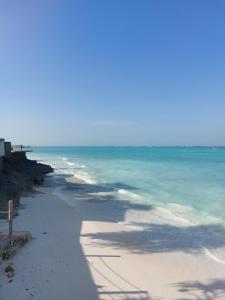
(10, 219)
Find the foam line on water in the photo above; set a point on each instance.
(84, 176)
(70, 163)
(129, 194)
(64, 158)
(64, 171)
(213, 256)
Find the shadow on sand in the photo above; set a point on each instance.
(156, 238)
(196, 290)
(99, 203)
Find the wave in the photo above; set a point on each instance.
(213, 256)
(84, 176)
(76, 165)
(70, 163)
(129, 194)
(62, 165)
(81, 175)
(82, 166)
(171, 213)
(64, 171)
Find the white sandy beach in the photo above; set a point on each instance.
(80, 251)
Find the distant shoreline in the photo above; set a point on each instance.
(64, 146)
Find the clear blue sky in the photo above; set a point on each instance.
(112, 72)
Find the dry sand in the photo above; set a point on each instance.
(80, 251)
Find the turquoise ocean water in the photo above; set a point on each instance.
(184, 183)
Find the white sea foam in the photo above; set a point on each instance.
(157, 215)
(129, 194)
(64, 171)
(160, 212)
(70, 163)
(179, 207)
(82, 166)
(48, 163)
(81, 175)
(75, 165)
(62, 165)
(84, 176)
(171, 213)
(213, 256)
(171, 216)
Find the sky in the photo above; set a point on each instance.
(112, 72)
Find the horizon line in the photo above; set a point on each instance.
(132, 146)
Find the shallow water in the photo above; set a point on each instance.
(184, 182)
(176, 195)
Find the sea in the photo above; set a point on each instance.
(182, 185)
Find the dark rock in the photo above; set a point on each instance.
(19, 175)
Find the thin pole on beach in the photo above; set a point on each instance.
(10, 220)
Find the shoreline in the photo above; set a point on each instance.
(159, 217)
(174, 212)
(87, 252)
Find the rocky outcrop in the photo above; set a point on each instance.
(19, 174)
